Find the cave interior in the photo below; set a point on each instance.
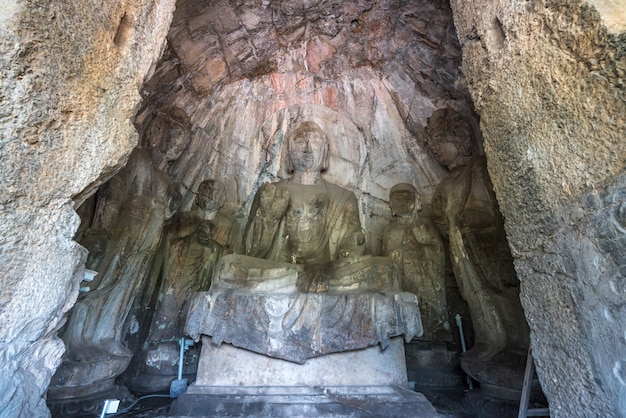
(505, 127)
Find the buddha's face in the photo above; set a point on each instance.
(308, 151)
(166, 138)
(447, 153)
(176, 143)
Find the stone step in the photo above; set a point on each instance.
(301, 401)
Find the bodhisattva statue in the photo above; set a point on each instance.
(464, 205)
(303, 287)
(194, 242)
(131, 212)
(415, 244)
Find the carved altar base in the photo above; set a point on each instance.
(227, 365)
(271, 349)
(326, 324)
(234, 382)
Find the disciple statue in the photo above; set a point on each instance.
(125, 233)
(303, 287)
(464, 205)
(194, 242)
(415, 244)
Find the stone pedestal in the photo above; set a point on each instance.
(234, 382)
(272, 349)
(227, 365)
(86, 378)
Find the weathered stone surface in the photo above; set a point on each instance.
(415, 244)
(298, 326)
(70, 77)
(226, 365)
(548, 81)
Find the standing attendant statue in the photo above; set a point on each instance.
(193, 244)
(131, 212)
(415, 244)
(465, 206)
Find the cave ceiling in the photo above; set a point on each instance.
(213, 43)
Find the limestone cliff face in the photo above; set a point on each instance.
(71, 73)
(547, 78)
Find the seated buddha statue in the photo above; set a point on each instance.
(303, 287)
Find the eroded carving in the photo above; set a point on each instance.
(415, 244)
(126, 231)
(303, 288)
(465, 206)
(194, 242)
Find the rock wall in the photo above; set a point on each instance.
(71, 73)
(547, 78)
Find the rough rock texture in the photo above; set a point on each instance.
(547, 78)
(69, 86)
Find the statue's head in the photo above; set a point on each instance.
(404, 200)
(211, 195)
(448, 136)
(167, 136)
(307, 148)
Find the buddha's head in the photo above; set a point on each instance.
(167, 136)
(307, 148)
